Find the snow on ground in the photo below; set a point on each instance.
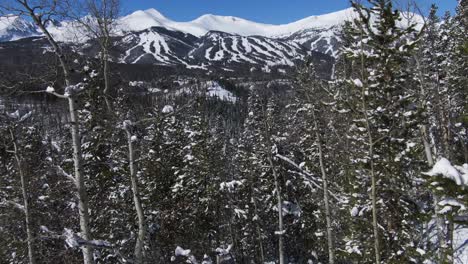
(213, 89)
(216, 90)
(461, 245)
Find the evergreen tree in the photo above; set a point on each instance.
(381, 108)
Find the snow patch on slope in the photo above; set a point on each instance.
(214, 89)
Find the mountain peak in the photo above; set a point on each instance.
(155, 14)
(15, 27)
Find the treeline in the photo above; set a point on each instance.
(353, 170)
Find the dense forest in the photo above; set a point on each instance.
(368, 166)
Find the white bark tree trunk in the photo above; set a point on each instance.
(83, 207)
(25, 200)
(331, 252)
(375, 226)
(105, 62)
(425, 135)
(370, 141)
(76, 136)
(139, 252)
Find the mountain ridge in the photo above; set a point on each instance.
(144, 19)
(236, 25)
(225, 42)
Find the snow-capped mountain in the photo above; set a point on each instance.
(148, 37)
(14, 27)
(140, 20)
(319, 28)
(159, 45)
(318, 33)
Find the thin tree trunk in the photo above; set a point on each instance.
(25, 201)
(331, 252)
(280, 212)
(450, 231)
(105, 62)
(136, 200)
(79, 182)
(76, 139)
(423, 129)
(374, 201)
(465, 150)
(439, 219)
(427, 146)
(375, 226)
(370, 139)
(371, 157)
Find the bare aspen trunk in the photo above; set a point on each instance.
(331, 252)
(450, 231)
(79, 182)
(136, 200)
(371, 157)
(374, 203)
(76, 137)
(439, 219)
(440, 226)
(25, 201)
(427, 146)
(424, 132)
(370, 139)
(105, 62)
(280, 212)
(375, 226)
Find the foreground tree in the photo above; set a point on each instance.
(380, 105)
(311, 88)
(41, 12)
(12, 128)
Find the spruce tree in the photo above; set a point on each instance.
(381, 108)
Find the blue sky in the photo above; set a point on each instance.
(266, 11)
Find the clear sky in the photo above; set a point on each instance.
(265, 11)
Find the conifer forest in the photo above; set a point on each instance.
(138, 139)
